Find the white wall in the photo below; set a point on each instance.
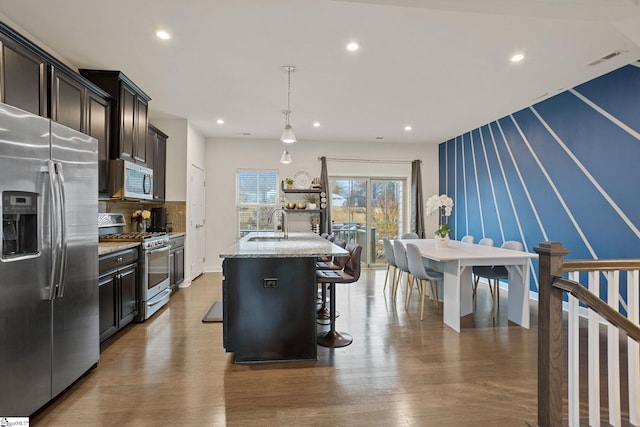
(185, 147)
(195, 148)
(224, 157)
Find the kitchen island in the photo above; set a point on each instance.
(269, 296)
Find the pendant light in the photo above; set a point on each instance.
(288, 137)
(285, 158)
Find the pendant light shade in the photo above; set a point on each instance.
(288, 137)
(285, 158)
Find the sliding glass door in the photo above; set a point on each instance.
(365, 209)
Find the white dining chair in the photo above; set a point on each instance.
(391, 264)
(485, 241)
(421, 273)
(468, 239)
(496, 273)
(400, 254)
(410, 236)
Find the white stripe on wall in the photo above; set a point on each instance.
(606, 114)
(515, 165)
(493, 190)
(464, 186)
(475, 173)
(524, 187)
(590, 177)
(556, 192)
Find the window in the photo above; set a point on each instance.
(256, 197)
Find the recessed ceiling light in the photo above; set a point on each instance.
(517, 57)
(162, 34)
(353, 46)
(316, 124)
(220, 121)
(408, 128)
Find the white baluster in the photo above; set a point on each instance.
(613, 351)
(594, 354)
(633, 348)
(573, 356)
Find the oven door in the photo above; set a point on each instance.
(157, 266)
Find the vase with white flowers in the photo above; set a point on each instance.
(442, 204)
(141, 217)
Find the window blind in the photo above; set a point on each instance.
(256, 197)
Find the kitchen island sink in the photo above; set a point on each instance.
(267, 238)
(269, 296)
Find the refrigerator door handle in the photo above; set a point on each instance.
(55, 253)
(62, 197)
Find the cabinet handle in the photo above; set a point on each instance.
(119, 259)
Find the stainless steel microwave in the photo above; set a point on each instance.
(130, 181)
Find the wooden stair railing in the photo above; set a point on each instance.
(552, 285)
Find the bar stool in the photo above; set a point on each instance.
(338, 263)
(325, 258)
(335, 263)
(350, 274)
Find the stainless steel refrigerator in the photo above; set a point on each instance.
(49, 259)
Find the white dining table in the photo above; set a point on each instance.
(456, 262)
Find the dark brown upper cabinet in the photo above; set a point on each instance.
(35, 81)
(23, 78)
(67, 100)
(129, 114)
(80, 107)
(157, 160)
(98, 114)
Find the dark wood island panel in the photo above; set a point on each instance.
(269, 309)
(269, 296)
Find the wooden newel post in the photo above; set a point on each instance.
(549, 334)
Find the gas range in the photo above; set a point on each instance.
(111, 229)
(147, 239)
(154, 290)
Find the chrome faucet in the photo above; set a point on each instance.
(283, 222)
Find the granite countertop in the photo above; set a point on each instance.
(298, 245)
(176, 234)
(105, 248)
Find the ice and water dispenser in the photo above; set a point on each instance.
(19, 223)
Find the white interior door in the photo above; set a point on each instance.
(197, 221)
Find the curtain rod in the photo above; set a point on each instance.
(354, 160)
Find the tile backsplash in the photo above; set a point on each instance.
(176, 212)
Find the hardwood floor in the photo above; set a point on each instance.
(173, 370)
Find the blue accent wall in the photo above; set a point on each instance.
(566, 169)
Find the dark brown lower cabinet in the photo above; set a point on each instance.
(176, 261)
(117, 285)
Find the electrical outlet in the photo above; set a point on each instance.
(270, 283)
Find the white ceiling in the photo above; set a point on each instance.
(440, 65)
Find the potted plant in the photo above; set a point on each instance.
(289, 182)
(141, 217)
(443, 204)
(311, 200)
